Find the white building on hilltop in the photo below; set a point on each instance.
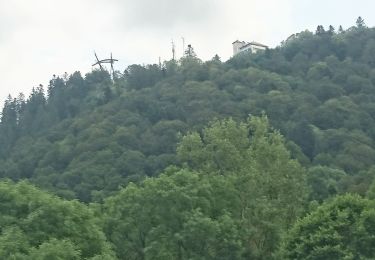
(254, 47)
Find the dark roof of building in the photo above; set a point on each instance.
(238, 41)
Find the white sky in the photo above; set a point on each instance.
(40, 38)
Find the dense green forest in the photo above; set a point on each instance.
(265, 156)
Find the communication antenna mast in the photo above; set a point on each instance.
(113, 71)
(98, 62)
(110, 61)
(183, 46)
(173, 50)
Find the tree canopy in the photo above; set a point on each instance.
(268, 155)
(37, 225)
(216, 207)
(339, 229)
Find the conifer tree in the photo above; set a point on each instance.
(360, 22)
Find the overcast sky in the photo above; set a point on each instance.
(40, 38)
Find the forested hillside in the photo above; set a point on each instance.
(264, 156)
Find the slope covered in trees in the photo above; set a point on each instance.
(202, 184)
(316, 88)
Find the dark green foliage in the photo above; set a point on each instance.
(343, 228)
(325, 182)
(229, 203)
(233, 191)
(36, 225)
(138, 77)
(318, 89)
(171, 217)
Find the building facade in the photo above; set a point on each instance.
(242, 46)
